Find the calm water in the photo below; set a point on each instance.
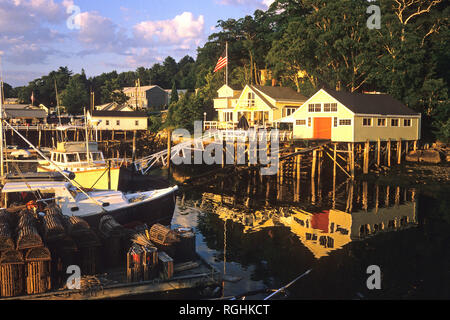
(268, 232)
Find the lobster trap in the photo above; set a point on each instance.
(38, 270)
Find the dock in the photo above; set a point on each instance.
(191, 275)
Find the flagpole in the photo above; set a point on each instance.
(1, 123)
(226, 73)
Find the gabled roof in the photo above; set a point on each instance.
(280, 93)
(267, 102)
(143, 88)
(382, 104)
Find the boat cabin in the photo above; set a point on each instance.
(75, 154)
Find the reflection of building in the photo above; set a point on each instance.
(330, 230)
(326, 231)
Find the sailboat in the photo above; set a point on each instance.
(35, 191)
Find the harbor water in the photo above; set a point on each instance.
(262, 233)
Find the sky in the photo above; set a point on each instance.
(38, 36)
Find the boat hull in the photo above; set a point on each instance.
(159, 210)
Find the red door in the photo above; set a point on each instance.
(322, 128)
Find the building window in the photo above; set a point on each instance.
(335, 122)
(136, 122)
(118, 122)
(367, 122)
(228, 116)
(287, 111)
(330, 107)
(107, 122)
(309, 122)
(394, 122)
(382, 122)
(345, 122)
(407, 123)
(251, 99)
(315, 107)
(301, 122)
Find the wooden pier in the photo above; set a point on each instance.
(188, 275)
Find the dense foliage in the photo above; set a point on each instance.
(305, 44)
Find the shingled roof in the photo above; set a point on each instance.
(382, 104)
(280, 93)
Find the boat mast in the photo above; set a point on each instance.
(87, 137)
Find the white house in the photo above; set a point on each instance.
(354, 117)
(118, 120)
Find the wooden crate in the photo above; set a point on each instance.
(11, 274)
(38, 270)
(135, 264)
(166, 265)
(150, 262)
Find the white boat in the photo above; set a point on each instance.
(154, 206)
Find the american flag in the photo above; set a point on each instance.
(223, 61)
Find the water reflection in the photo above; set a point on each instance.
(323, 229)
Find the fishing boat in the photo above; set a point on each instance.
(37, 190)
(88, 164)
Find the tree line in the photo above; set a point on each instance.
(303, 44)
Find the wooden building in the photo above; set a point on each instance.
(118, 120)
(354, 117)
(147, 97)
(260, 105)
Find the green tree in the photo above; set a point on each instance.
(174, 93)
(76, 95)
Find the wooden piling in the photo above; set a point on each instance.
(389, 152)
(399, 151)
(314, 163)
(378, 152)
(366, 157)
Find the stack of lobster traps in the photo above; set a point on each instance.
(113, 237)
(87, 242)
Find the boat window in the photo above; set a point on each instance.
(63, 158)
(72, 157)
(58, 159)
(96, 156)
(83, 156)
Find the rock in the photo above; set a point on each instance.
(430, 156)
(413, 156)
